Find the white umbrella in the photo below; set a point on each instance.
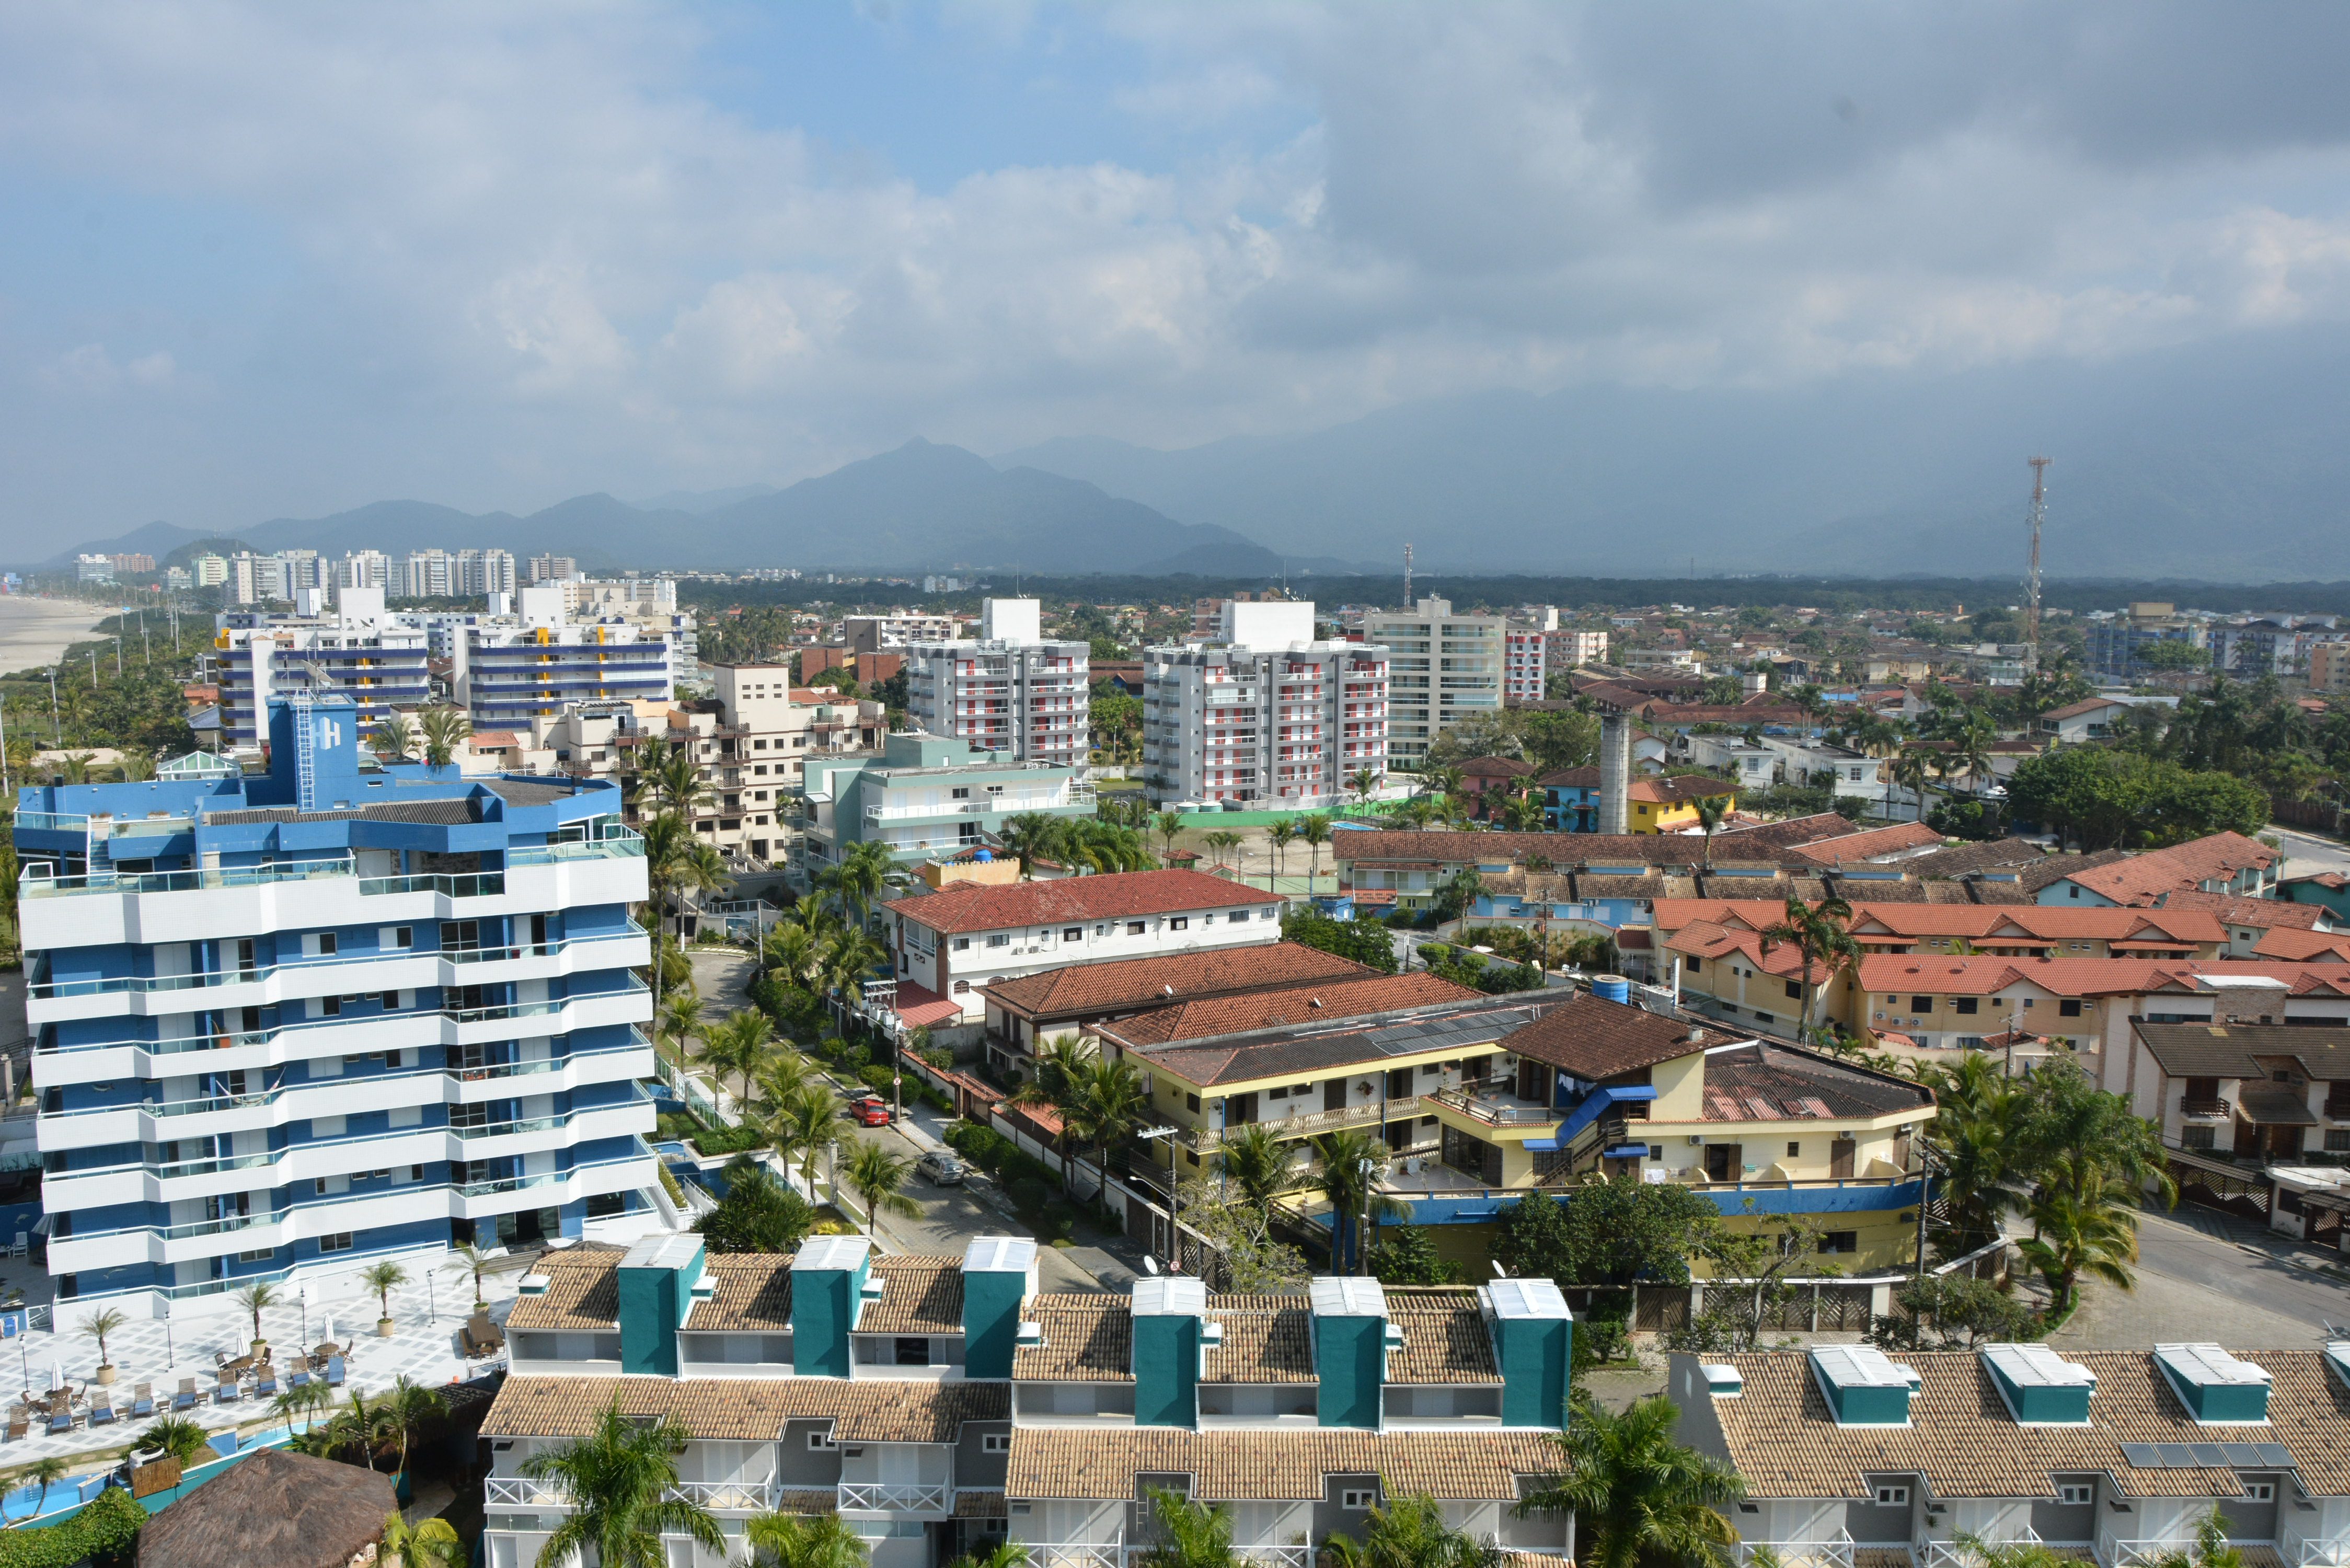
(56, 1378)
(329, 1337)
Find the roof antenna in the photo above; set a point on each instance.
(1150, 1265)
(1500, 1272)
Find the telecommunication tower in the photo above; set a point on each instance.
(1407, 577)
(2031, 587)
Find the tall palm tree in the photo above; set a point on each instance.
(45, 1473)
(256, 1298)
(1258, 1163)
(864, 871)
(1362, 783)
(1280, 836)
(879, 1178)
(1911, 769)
(1352, 1163)
(1313, 832)
(444, 731)
(1636, 1495)
(1111, 1100)
(434, 1544)
(617, 1479)
(306, 1402)
(402, 1409)
(392, 738)
(1222, 842)
(1187, 1535)
(1060, 1065)
(1167, 825)
(1031, 836)
(676, 781)
(804, 1127)
(2083, 1223)
(1710, 809)
(1412, 1532)
(740, 1045)
(681, 1021)
(1820, 935)
(1974, 1139)
(703, 870)
(804, 1541)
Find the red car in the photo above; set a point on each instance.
(870, 1111)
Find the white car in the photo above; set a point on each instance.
(942, 1167)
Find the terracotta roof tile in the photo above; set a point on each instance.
(1243, 1467)
(1999, 924)
(2306, 946)
(1321, 1002)
(1854, 847)
(1594, 1039)
(922, 1296)
(2265, 913)
(1445, 1337)
(1089, 1338)
(2145, 878)
(749, 1409)
(583, 1292)
(1962, 1440)
(1265, 1340)
(1093, 989)
(1680, 788)
(755, 1291)
(1126, 895)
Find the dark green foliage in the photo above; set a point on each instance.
(727, 1141)
(102, 1531)
(1976, 820)
(1609, 1233)
(1365, 939)
(1406, 1256)
(758, 1214)
(1953, 1312)
(2115, 799)
(1462, 967)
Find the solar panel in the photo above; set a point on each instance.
(2207, 1456)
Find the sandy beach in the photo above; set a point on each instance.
(34, 632)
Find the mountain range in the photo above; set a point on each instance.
(2196, 464)
(921, 507)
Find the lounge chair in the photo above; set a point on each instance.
(101, 1409)
(61, 1418)
(264, 1385)
(19, 1424)
(187, 1397)
(334, 1372)
(142, 1403)
(297, 1378)
(228, 1392)
(481, 1337)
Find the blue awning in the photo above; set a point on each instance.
(1625, 1151)
(1546, 1145)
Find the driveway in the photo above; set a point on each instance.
(2205, 1275)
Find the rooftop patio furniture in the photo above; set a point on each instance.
(19, 1423)
(143, 1401)
(186, 1398)
(230, 1390)
(101, 1409)
(482, 1337)
(334, 1372)
(61, 1418)
(264, 1384)
(297, 1378)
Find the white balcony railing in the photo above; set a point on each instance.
(1952, 1554)
(2323, 1553)
(1078, 1554)
(920, 1497)
(517, 1491)
(1834, 1553)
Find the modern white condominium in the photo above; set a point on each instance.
(1267, 716)
(284, 1023)
(1446, 668)
(1012, 691)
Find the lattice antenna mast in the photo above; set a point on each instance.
(2031, 585)
(1407, 577)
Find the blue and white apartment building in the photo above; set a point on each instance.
(285, 1023)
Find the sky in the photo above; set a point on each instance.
(283, 260)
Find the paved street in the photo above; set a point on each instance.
(2198, 1282)
(2306, 852)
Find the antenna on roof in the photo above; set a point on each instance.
(1500, 1272)
(1150, 1264)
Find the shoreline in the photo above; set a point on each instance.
(35, 632)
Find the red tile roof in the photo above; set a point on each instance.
(1868, 845)
(1095, 989)
(1681, 787)
(2145, 878)
(1211, 1016)
(2230, 909)
(2304, 947)
(1126, 895)
(2087, 705)
(2005, 924)
(1894, 973)
(920, 1006)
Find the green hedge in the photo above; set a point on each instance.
(105, 1525)
(729, 1141)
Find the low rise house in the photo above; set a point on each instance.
(957, 941)
(2221, 863)
(1670, 804)
(1847, 1455)
(2008, 931)
(942, 1406)
(924, 796)
(2248, 921)
(2248, 1093)
(2091, 719)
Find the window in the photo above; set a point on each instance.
(326, 944)
(1133, 928)
(1074, 934)
(995, 1442)
(2199, 1138)
(2069, 1008)
(2337, 1140)
(912, 1350)
(1794, 1148)
(1965, 1003)
(821, 1440)
(999, 940)
(1794, 990)
(338, 1242)
(263, 1256)
(963, 944)
(961, 794)
(1840, 1241)
(961, 986)
(1191, 1102)
(1892, 1496)
(2076, 1494)
(2259, 1491)
(1358, 1499)
(403, 935)
(330, 1006)
(1179, 923)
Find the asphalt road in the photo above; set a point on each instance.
(2196, 1247)
(2306, 852)
(2196, 1281)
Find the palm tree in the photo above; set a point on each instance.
(175, 1438)
(2077, 1233)
(1279, 836)
(392, 738)
(1258, 1163)
(1031, 836)
(1060, 1064)
(45, 1474)
(255, 1298)
(1167, 825)
(1974, 1143)
(1909, 770)
(703, 870)
(443, 729)
(1710, 809)
(1314, 831)
(804, 1127)
(864, 870)
(1635, 1494)
(676, 781)
(1412, 1532)
(403, 1407)
(1187, 1535)
(306, 1402)
(1362, 783)
(106, 1321)
(137, 766)
(1352, 1163)
(432, 1544)
(808, 1541)
(739, 1046)
(1004, 1555)
(1111, 1099)
(1819, 935)
(465, 1257)
(879, 1178)
(681, 1021)
(1222, 842)
(617, 1479)
(383, 1279)
(1969, 754)
(2212, 1549)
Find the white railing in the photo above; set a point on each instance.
(2139, 1553)
(1309, 1122)
(2323, 1555)
(759, 1494)
(1834, 1553)
(1952, 1554)
(915, 1498)
(522, 1493)
(1299, 1556)
(1078, 1554)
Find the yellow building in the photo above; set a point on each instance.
(1484, 1099)
(1670, 804)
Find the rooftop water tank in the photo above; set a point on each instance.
(1611, 988)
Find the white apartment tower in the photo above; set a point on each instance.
(1012, 691)
(1447, 667)
(1267, 716)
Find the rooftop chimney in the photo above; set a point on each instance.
(999, 1272)
(827, 1291)
(1615, 773)
(1168, 1336)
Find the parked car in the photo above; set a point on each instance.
(942, 1167)
(870, 1111)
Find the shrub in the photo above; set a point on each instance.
(1058, 1218)
(938, 1056)
(1029, 1194)
(105, 1529)
(728, 1140)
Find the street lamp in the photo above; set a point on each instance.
(1174, 1198)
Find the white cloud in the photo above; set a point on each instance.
(532, 224)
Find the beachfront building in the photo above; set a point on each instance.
(1012, 690)
(358, 650)
(286, 1023)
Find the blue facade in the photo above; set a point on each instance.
(255, 1012)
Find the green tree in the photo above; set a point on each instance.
(1412, 1532)
(109, 1320)
(1187, 1535)
(1821, 935)
(804, 1126)
(1313, 832)
(1259, 1164)
(879, 1178)
(1367, 942)
(1710, 809)
(617, 1479)
(1169, 826)
(1352, 1165)
(804, 1540)
(1406, 1256)
(1952, 1312)
(1278, 838)
(2084, 1221)
(44, 1473)
(404, 1407)
(1636, 1495)
(444, 731)
(393, 738)
(432, 1543)
(1619, 1232)
(383, 1279)
(1109, 1102)
(758, 1214)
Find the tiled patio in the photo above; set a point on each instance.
(427, 1312)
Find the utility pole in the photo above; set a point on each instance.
(2032, 594)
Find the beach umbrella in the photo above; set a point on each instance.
(56, 1378)
(329, 1334)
